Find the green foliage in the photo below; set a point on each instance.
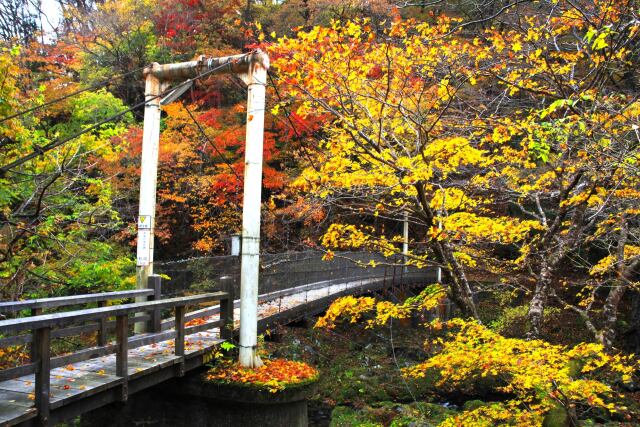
(343, 416)
(513, 320)
(56, 221)
(227, 346)
(92, 107)
(391, 414)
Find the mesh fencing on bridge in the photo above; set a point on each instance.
(279, 272)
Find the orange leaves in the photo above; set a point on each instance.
(200, 177)
(196, 322)
(13, 356)
(275, 375)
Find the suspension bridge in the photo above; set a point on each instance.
(56, 387)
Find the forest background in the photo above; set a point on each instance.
(505, 132)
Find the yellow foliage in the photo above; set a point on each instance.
(348, 307)
(353, 309)
(539, 375)
(606, 264)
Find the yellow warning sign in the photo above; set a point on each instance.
(144, 222)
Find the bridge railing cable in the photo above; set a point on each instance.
(54, 144)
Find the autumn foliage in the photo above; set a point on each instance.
(275, 375)
(535, 375)
(506, 135)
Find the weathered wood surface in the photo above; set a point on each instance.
(72, 330)
(41, 303)
(77, 381)
(93, 352)
(63, 319)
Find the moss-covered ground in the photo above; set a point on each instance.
(360, 381)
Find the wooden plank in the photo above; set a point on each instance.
(154, 283)
(82, 380)
(69, 390)
(206, 346)
(61, 319)
(14, 306)
(102, 328)
(226, 309)
(88, 382)
(196, 314)
(32, 349)
(70, 331)
(7, 374)
(137, 365)
(63, 390)
(15, 408)
(16, 398)
(99, 378)
(42, 357)
(179, 346)
(26, 387)
(94, 352)
(144, 365)
(122, 353)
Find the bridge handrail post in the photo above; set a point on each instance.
(122, 352)
(226, 308)
(42, 359)
(36, 311)
(179, 342)
(102, 328)
(154, 282)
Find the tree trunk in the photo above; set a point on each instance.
(539, 301)
(607, 335)
(625, 273)
(459, 289)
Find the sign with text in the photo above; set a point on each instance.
(144, 247)
(144, 222)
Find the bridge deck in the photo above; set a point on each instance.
(80, 381)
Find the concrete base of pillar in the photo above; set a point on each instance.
(193, 402)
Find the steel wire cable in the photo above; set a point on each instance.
(72, 94)
(41, 150)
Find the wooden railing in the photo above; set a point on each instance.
(43, 328)
(37, 307)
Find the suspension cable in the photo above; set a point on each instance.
(77, 92)
(224, 159)
(41, 150)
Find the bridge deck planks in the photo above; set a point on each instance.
(83, 379)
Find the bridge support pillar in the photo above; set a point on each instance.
(256, 80)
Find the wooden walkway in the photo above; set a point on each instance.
(78, 381)
(85, 385)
